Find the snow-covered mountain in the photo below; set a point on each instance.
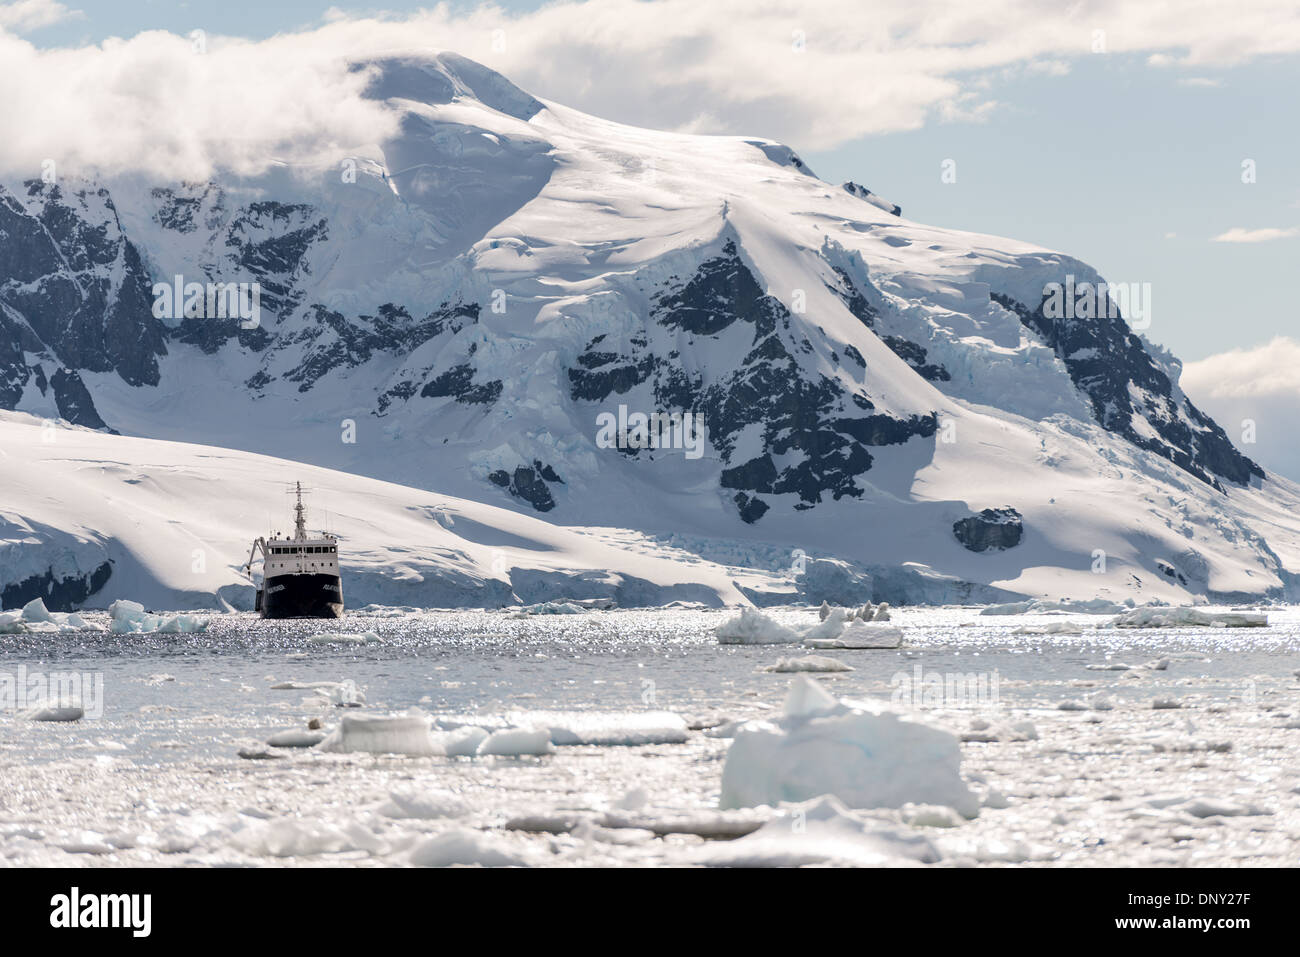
(464, 308)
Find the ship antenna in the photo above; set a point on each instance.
(299, 522)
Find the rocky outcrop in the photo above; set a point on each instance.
(993, 529)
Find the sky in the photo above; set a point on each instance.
(1155, 140)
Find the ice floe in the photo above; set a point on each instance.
(822, 831)
(863, 754)
(35, 618)
(381, 734)
(129, 617)
(1189, 617)
(466, 848)
(807, 663)
(752, 627)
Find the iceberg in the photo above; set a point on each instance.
(752, 627)
(864, 754)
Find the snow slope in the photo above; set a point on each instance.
(174, 522)
(454, 309)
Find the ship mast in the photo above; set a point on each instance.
(299, 521)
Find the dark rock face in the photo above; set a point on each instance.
(73, 289)
(336, 342)
(73, 400)
(853, 189)
(819, 431)
(59, 594)
(532, 485)
(993, 529)
(1109, 365)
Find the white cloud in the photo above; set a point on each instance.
(22, 16)
(1269, 233)
(728, 66)
(1259, 387)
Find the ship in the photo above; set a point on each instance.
(300, 575)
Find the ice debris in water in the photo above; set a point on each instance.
(837, 628)
(344, 638)
(1194, 617)
(517, 742)
(34, 617)
(1037, 606)
(861, 634)
(465, 847)
(821, 831)
(129, 617)
(752, 627)
(381, 734)
(807, 663)
(863, 754)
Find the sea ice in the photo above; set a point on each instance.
(807, 663)
(821, 831)
(865, 755)
(1194, 617)
(516, 742)
(465, 847)
(752, 627)
(129, 617)
(381, 734)
(862, 634)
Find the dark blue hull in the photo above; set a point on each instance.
(301, 596)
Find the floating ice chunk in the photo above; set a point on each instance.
(807, 663)
(1189, 617)
(831, 626)
(295, 738)
(460, 742)
(727, 729)
(341, 694)
(992, 850)
(259, 753)
(1036, 606)
(183, 625)
(551, 608)
(289, 837)
(35, 610)
(344, 638)
(866, 758)
(62, 711)
(129, 617)
(425, 806)
(862, 634)
(609, 727)
(1214, 807)
(806, 698)
(930, 815)
(821, 831)
(516, 742)
(381, 734)
(466, 848)
(752, 627)
(1051, 628)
